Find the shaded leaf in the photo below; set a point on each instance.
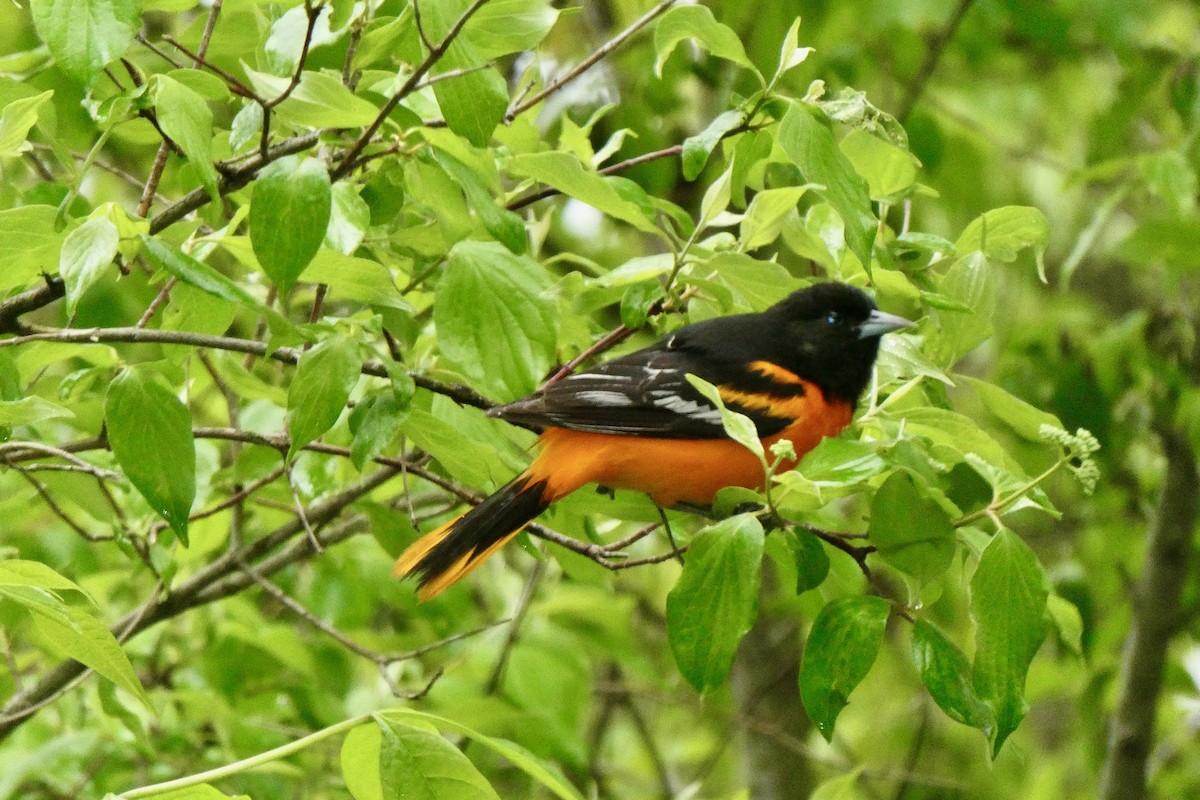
(911, 531)
(205, 278)
(946, 673)
(1008, 606)
(289, 214)
(85, 35)
(493, 319)
(716, 599)
(185, 117)
(150, 432)
(324, 378)
(841, 647)
(697, 149)
(565, 173)
(86, 252)
(697, 22)
(809, 143)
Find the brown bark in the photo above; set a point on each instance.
(1155, 614)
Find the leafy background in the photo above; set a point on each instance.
(263, 266)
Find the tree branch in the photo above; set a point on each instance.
(933, 55)
(135, 335)
(221, 578)
(1156, 603)
(435, 54)
(599, 55)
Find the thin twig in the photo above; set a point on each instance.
(164, 294)
(599, 55)
(287, 355)
(435, 54)
(933, 55)
(314, 13)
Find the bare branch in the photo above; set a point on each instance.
(410, 85)
(286, 355)
(933, 55)
(595, 58)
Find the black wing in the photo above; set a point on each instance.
(644, 393)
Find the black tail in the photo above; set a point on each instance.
(443, 556)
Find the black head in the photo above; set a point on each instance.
(829, 334)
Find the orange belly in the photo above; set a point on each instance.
(669, 470)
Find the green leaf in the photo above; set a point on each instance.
(911, 531)
(503, 27)
(739, 427)
(30, 410)
(970, 282)
(889, 170)
(86, 252)
(289, 213)
(20, 572)
(185, 117)
(493, 318)
(516, 755)
(70, 629)
(349, 218)
(766, 214)
(1171, 178)
(565, 173)
(756, 284)
(85, 35)
(697, 149)
(716, 599)
(698, 23)
(841, 647)
(946, 673)
(29, 243)
(417, 763)
(812, 562)
(791, 55)
(465, 460)
(474, 102)
(353, 278)
(359, 760)
(810, 145)
(380, 420)
(1068, 622)
(150, 432)
(324, 378)
(1008, 606)
(843, 787)
(1003, 233)
(1025, 420)
(207, 279)
(320, 100)
(16, 120)
(506, 226)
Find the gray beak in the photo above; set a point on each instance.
(880, 323)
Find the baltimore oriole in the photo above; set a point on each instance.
(635, 422)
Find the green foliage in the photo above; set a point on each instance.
(150, 432)
(265, 268)
(714, 603)
(842, 645)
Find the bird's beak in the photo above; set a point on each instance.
(880, 323)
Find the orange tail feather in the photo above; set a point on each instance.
(447, 554)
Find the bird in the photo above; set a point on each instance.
(796, 370)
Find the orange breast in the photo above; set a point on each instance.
(673, 470)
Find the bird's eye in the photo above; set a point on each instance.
(831, 318)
